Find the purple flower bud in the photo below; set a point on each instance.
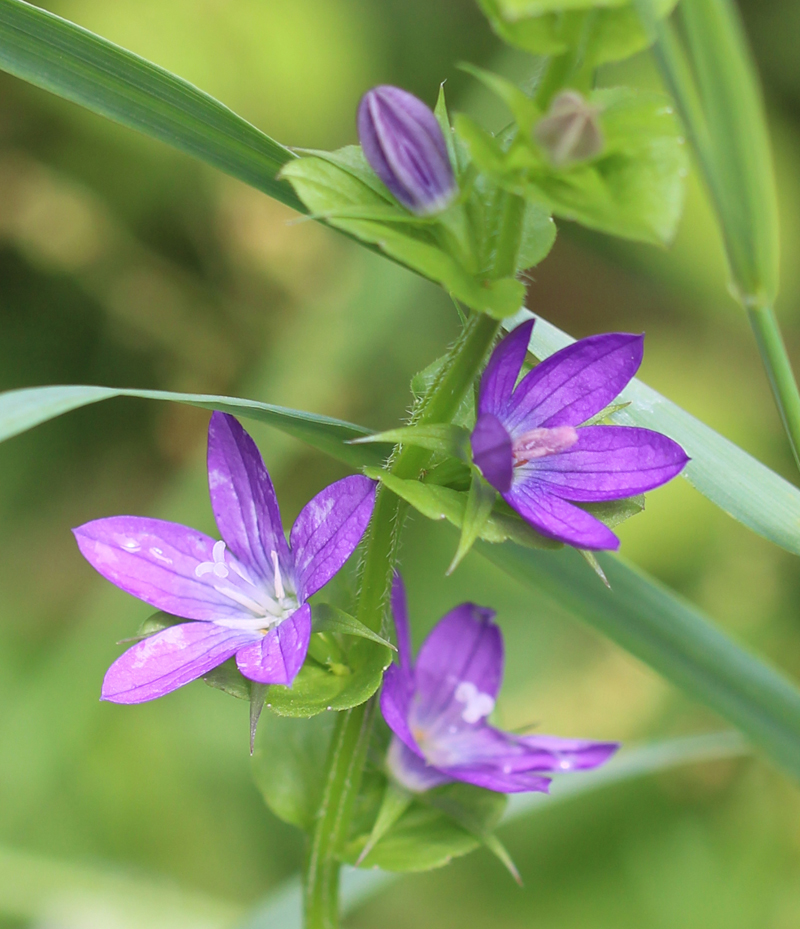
(404, 146)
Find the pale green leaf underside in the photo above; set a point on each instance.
(73, 63)
(23, 409)
(733, 480)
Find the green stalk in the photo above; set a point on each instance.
(779, 370)
(348, 752)
(710, 74)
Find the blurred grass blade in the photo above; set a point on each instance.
(23, 409)
(73, 63)
(282, 908)
(713, 79)
(733, 480)
(672, 637)
(44, 891)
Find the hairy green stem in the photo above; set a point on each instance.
(348, 751)
(779, 370)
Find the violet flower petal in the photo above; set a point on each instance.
(553, 753)
(243, 498)
(502, 370)
(496, 779)
(464, 650)
(396, 693)
(558, 519)
(399, 605)
(411, 771)
(328, 529)
(608, 463)
(169, 659)
(156, 561)
(404, 145)
(277, 656)
(492, 451)
(575, 383)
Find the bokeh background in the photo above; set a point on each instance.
(125, 263)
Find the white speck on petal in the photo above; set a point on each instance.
(478, 704)
(157, 553)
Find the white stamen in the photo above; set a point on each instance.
(242, 599)
(280, 593)
(478, 704)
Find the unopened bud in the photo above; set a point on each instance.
(404, 145)
(570, 132)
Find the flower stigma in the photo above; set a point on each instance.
(538, 443)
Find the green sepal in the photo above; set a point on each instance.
(475, 820)
(425, 836)
(327, 618)
(437, 502)
(480, 501)
(614, 512)
(229, 679)
(336, 687)
(396, 800)
(289, 765)
(443, 438)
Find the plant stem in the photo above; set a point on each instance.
(348, 751)
(779, 370)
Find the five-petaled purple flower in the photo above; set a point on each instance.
(247, 594)
(404, 145)
(529, 443)
(437, 709)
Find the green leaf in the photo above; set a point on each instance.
(24, 409)
(613, 32)
(282, 908)
(60, 57)
(480, 501)
(444, 438)
(426, 837)
(437, 502)
(329, 618)
(316, 688)
(733, 480)
(671, 636)
(289, 765)
(332, 191)
(634, 189)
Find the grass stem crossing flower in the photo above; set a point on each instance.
(245, 595)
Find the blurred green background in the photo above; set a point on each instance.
(124, 263)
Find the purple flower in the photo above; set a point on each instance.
(247, 594)
(404, 145)
(529, 443)
(437, 710)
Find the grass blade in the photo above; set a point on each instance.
(73, 63)
(23, 409)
